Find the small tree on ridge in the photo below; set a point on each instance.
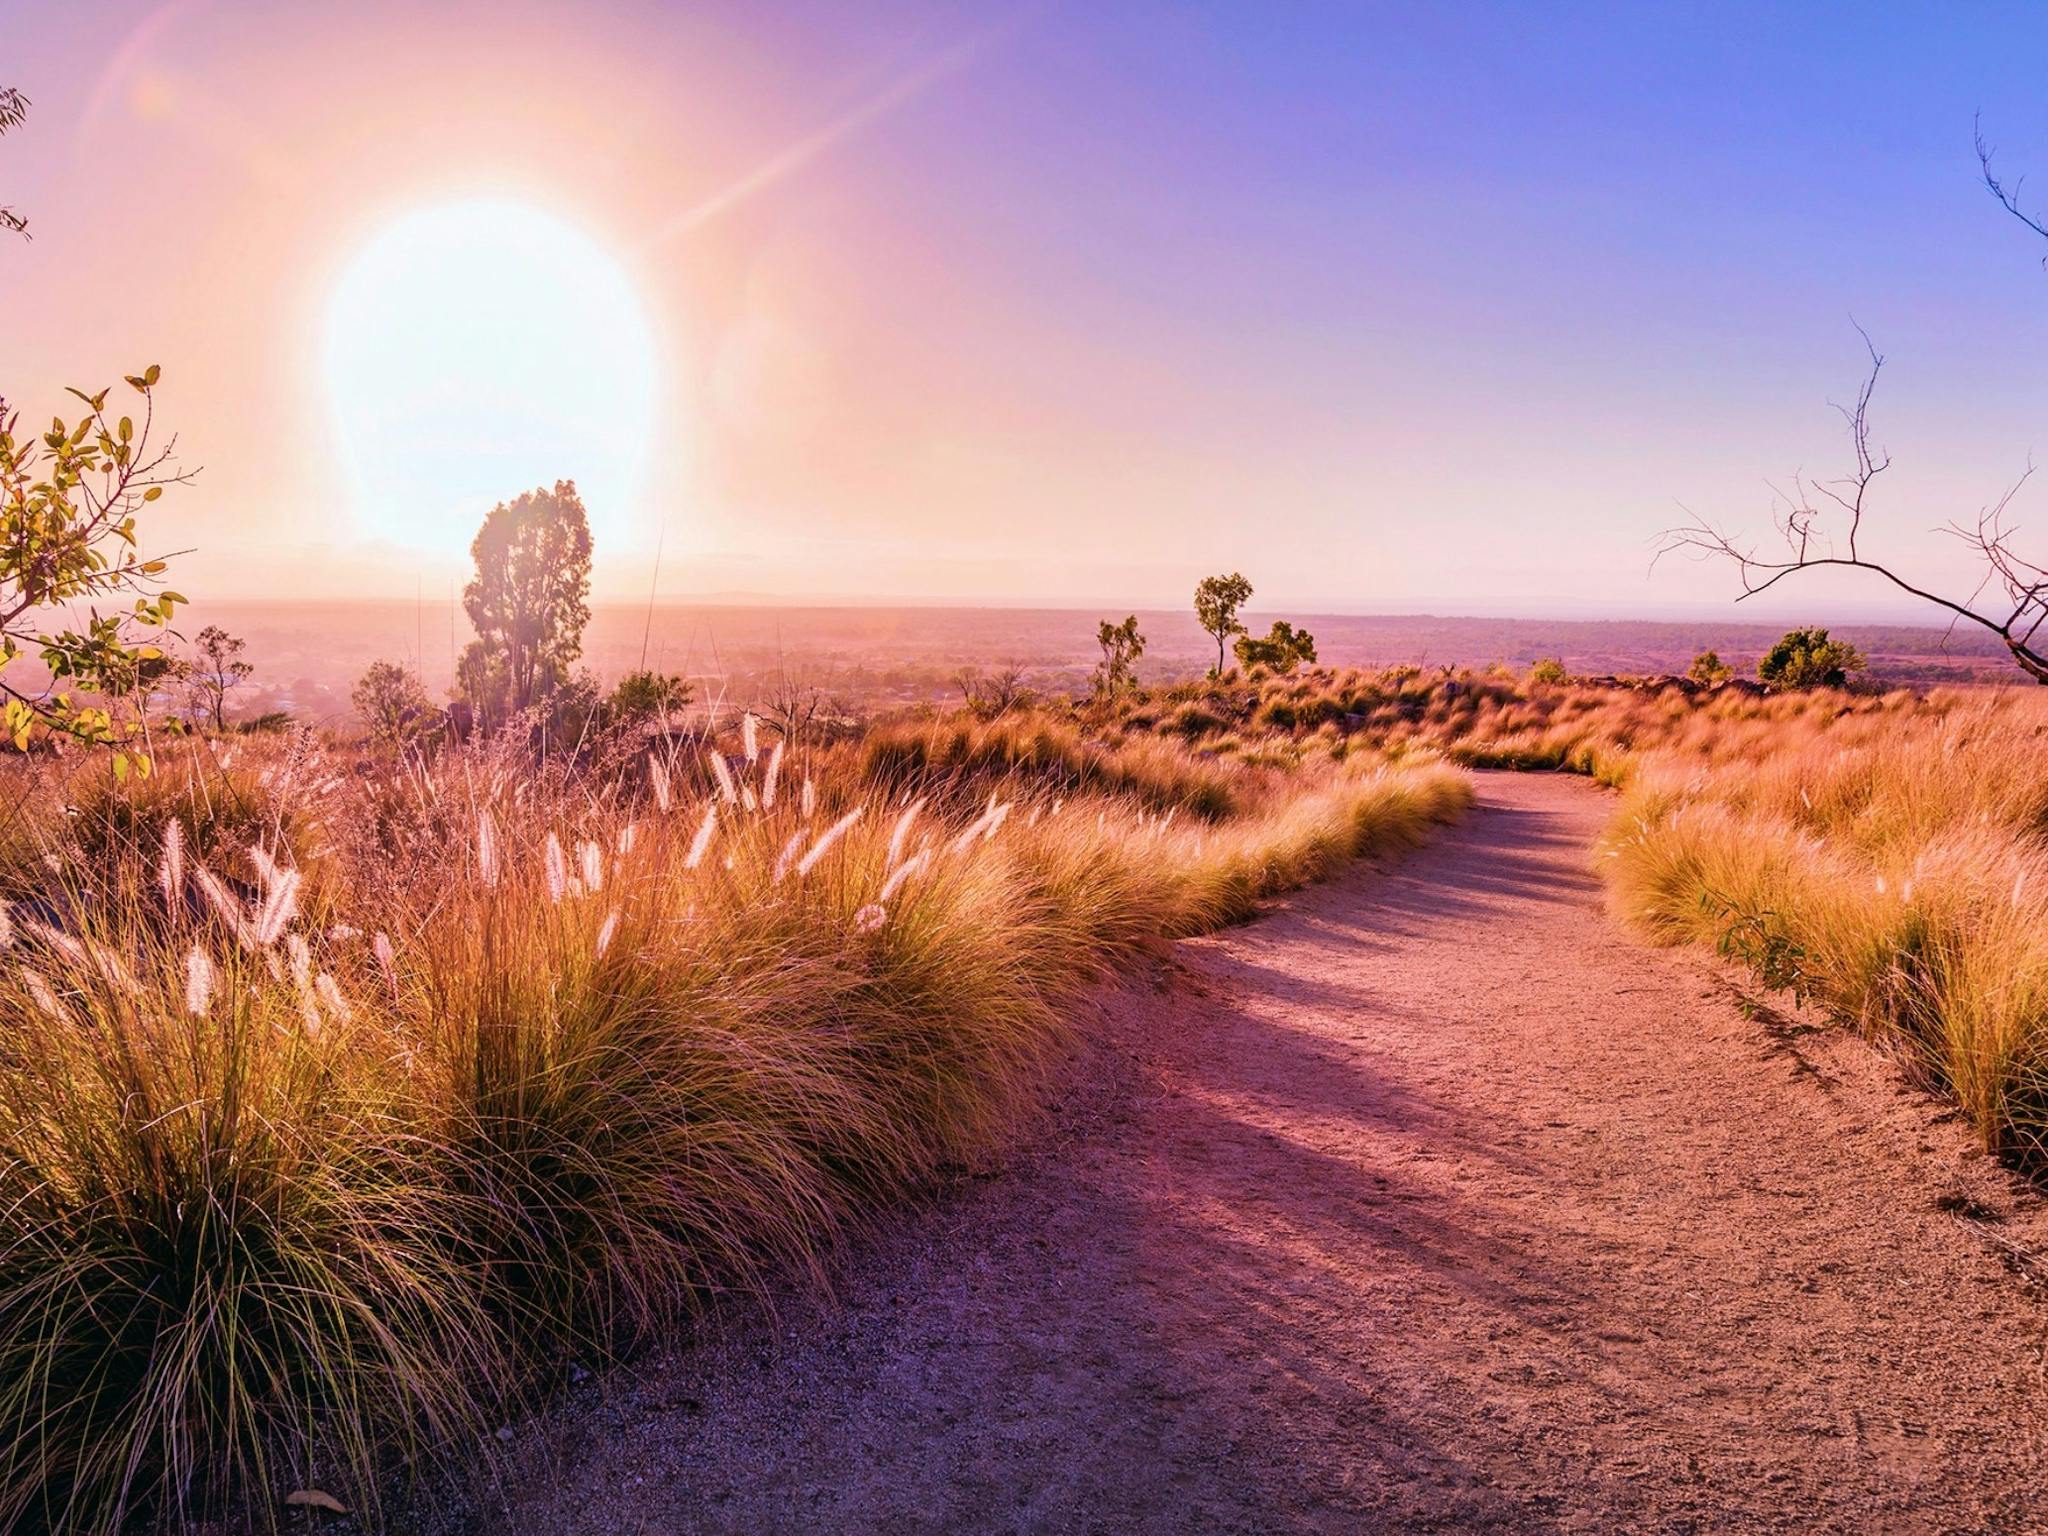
(216, 670)
(1217, 600)
(1122, 645)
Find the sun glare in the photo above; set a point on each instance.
(479, 349)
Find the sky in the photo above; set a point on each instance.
(1393, 308)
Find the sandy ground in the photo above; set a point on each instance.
(1432, 1202)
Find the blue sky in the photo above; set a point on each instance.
(1447, 307)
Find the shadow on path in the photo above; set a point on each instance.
(1431, 1203)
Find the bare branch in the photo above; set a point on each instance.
(1800, 522)
(2008, 198)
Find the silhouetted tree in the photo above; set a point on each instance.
(1217, 599)
(528, 601)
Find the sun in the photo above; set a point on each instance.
(475, 350)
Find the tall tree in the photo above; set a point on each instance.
(528, 601)
(1217, 599)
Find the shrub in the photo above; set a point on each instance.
(1550, 670)
(119, 826)
(228, 1271)
(1708, 670)
(1277, 714)
(1282, 649)
(1807, 658)
(1192, 720)
(391, 702)
(646, 695)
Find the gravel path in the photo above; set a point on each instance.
(1432, 1202)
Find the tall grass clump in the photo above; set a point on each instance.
(221, 1279)
(1889, 867)
(346, 1105)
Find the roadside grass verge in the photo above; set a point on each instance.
(1893, 873)
(331, 1137)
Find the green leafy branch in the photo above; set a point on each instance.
(70, 499)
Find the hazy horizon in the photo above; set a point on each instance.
(307, 654)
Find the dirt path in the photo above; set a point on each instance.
(1431, 1203)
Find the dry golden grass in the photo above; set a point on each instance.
(1887, 864)
(1881, 855)
(1482, 719)
(345, 1105)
